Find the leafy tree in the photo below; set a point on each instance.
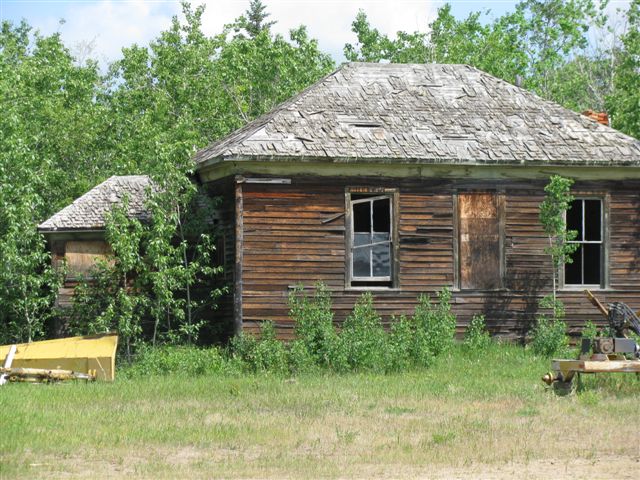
(583, 83)
(625, 100)
(551, 31)
(28, 284)
(553, 210)
(256, 74)
(45, 98)
(494, 47)
(253, 21)
(549, 334)
(373, 46)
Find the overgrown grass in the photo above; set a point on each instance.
(466, 412)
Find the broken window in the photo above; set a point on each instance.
(371, 240)
(479, 241)
(586, 217)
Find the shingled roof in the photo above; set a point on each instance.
(89, 211)
(427, 113)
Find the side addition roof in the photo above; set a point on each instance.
(89, 211)
(426, 113)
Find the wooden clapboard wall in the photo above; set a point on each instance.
(295, 234)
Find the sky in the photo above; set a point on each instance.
(109, 25)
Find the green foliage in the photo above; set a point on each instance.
(477, 338)
(64, 128)
(549, 336)
(314, 323)
(253, 21)
(401, 344)
(590, 330)
(553, 211)
(373, 46)
(363, 341)
(46, 130)
(186, 361)
(363, 344)
(149, 278)
(261, 354)
(435, 326)
(624, 102)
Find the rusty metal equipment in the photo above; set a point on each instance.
(601, 354)
(41, 375)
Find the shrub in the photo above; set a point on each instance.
(314, 324)
(549, 336)
(261, 354)
(300, 359)
(177, 360)
(435, 327)
(477, 338)
(590, 330)
(401, 339)
(362, 342)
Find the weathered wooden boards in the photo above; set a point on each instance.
(295, 234)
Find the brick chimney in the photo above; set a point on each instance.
(600, 117)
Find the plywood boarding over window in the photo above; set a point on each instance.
(480, 240)
(82, 255)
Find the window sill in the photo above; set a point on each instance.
(582, 288)
(480, 290)
(372, 289)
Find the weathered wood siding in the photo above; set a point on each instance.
(295, 234)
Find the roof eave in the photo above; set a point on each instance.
(537, 162)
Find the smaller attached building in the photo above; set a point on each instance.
(77, 232)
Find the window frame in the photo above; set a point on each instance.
(376, 193)
(604, 242)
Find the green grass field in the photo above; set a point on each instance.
(484, 416)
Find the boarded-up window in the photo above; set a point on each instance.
(82, 255)
(479, 257)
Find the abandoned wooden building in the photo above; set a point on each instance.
(77, 232)
(404, 179)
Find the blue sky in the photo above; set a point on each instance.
(108, 25)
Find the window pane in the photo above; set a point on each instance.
(361, 239)
(592, 264)
(573, 271)
(381, 216)
(362, 262)
(381, 256)
(574, 218)
(592, 220)
(362, 217)
(380, 237)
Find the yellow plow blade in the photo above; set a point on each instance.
(87, 354)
